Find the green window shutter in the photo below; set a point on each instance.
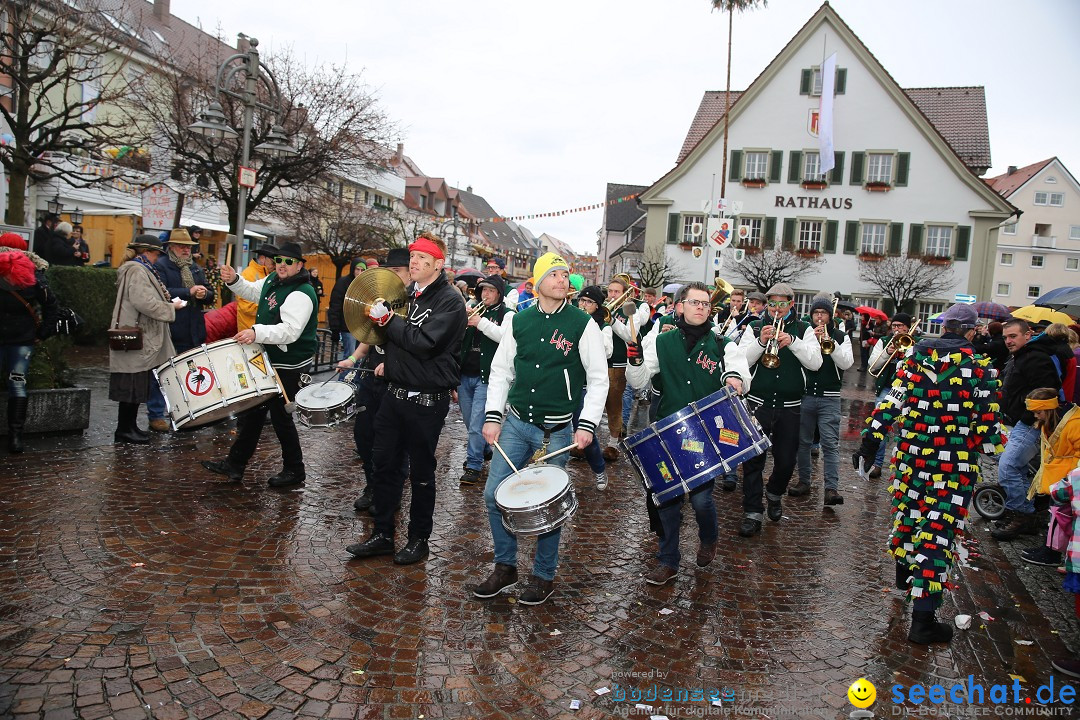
(673, 228)
(851, 237)
(841, 80)
(896, 238)
(914, 242)
(805, 80)
(903, 160)
(857, 167)
(789, 234)
(963, 241)
(776, 164)
(794, 171)
(768, 239)
(735, 169)
(836, 175)
(832, 229)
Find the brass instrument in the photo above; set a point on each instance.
(901, 344)
(828, 345)
(478, 311)
(720, 294)
(371, 288)
(770, 358)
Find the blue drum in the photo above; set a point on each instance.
(689, 448)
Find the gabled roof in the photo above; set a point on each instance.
(476, 206)
(709, 112)
(622, 215)
(1008, 183)
(637, 245)
(507, 235)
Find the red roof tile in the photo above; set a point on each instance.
(1007, 183)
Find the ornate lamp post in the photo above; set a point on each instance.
(213, 123)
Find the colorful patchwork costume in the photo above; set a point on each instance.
(945, 404)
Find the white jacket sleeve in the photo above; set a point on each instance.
(735, 364)
(609, 345)
(843, 357)
(501, 376)
(244, 288)
(593, 359)
(494, 330)
(751, 348)
(295, 312)
(807, 349)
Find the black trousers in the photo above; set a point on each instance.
(781, 425)
(404, 428)
(370, 392)
(249, 426)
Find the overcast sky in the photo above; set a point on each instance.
(538, 105)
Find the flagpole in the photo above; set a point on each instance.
(705, 230)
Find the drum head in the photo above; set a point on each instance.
(221, 413)
(325, 395)
(531, 486)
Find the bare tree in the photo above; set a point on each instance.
(65, 66)
(904, 280)
(329, 115)
(769, 267)
(656, 270)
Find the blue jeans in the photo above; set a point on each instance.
(879, 459)
(155, 403)
(823, 415)
(627, 404)
(472, 396)
(348, 343)
(519, 440)
(593, 453)
(1013, 465)
(16, 360)
(671, 518)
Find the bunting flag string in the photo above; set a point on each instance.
(557, 213)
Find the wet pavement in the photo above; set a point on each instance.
(134, 584)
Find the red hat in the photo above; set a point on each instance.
(13, 240)
(426, 245)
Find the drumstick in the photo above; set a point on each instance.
(228, 254)
(571, 446)
(290, 406)
(499, 448)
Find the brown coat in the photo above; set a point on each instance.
(144, 304)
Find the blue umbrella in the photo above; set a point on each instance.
(1047, 299)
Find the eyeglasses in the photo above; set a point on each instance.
(285, 261)
(698, 303)
(779, 303)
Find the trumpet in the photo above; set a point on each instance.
(612, 305)
(828, 345)
(478, 310)
(770, 358)
(901, 344)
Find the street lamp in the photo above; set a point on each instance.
(214, 125)
(54, 206)
(76, 216)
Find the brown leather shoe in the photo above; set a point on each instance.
(160, 425)
(502, 578)
(705, 554)
(661, 575)
(611, 454)
(832, 497)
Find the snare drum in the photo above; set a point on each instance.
(326, 404)
(212, 382)
(536, 500)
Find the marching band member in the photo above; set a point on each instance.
(900, 324)
(692, 362)
(422, 367)
(548, 353)
(285, 322)
(777, 394)
(618, 402)
(485, 329)
(820, 409)
(591, 301)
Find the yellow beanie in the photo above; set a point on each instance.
(545, 264)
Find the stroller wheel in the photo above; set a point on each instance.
(989, 501)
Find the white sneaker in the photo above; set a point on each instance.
(601, 480)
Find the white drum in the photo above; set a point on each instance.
(536, 500)
(326, 404)
(212, 382)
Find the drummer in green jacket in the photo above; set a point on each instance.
(693, 362)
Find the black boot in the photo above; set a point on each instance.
(926, 630)
(126, 431)
(903, 575)
(16, 417)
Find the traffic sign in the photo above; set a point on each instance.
(961, 298)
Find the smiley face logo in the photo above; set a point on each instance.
(862, 693)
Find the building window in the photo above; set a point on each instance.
(757, 166)
(879, 168)
(1053, 199)
(1003, 289)
(812, 167)
(926, 309)
(802, 303)
(873, 239)
(753, 232)
(1007, 259)
(1037, 261)
(815, 88)
(866, 300)
(690, 223)
(1074, 232)
(810, 235)
(938, 240)
(1072, 263)
(1009, 229)
(1034, 291)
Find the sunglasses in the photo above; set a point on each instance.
(779, 303)
(286, 261)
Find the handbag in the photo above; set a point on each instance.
(127, 337)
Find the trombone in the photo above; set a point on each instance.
(828, 345)
(612, 305)
(770, 358)
(901, 344)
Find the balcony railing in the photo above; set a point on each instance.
(1043, 241)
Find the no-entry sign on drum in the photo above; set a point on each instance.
(199, 381)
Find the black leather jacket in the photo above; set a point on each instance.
(423, 350)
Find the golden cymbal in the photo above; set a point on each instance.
(373, 285)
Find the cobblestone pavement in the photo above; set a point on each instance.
(133, 584)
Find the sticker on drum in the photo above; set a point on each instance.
(692, 452)
(730, 424)
(326, 404)
(536, 500)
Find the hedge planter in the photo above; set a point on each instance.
(878, 187)
(871, 257)
(61, 410)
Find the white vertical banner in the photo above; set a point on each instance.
(825, 114)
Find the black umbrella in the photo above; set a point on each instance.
(471, 276)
